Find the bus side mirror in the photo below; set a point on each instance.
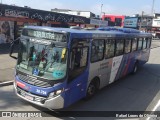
(12, 48)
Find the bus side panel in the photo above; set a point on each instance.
(127, 65)
(105, 71)
(143, 56)
(76, 89)
(117, 61)
(129, 61)
(94, 71)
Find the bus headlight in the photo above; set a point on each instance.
(55, 93)
(58, 92)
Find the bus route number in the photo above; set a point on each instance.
(41, 92)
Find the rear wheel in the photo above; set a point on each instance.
(135, 69)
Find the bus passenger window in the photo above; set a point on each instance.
(134, 44)
(148, 42)
(79, 57)
(144, 43)
(78, 63)
(127, 46)
(110, 48)
(119, 47)
(140, 42)
(97, 50)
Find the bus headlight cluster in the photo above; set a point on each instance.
(55, 93)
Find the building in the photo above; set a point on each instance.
(14, 18)
(156, 25)
(86, 14)
(141, 22)
(93, 21)
(114, 20)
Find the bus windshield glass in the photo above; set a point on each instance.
(42, 59)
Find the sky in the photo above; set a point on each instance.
(117, 7)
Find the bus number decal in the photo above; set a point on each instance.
(41, 92)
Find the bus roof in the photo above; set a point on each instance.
(69, 30)
(112, 32)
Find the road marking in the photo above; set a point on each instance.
(154, 109)
(6, 83)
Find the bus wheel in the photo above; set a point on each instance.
(92, 88)
(135, 69)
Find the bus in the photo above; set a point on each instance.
(58, 66)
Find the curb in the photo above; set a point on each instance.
(6, 83)
(155, 47)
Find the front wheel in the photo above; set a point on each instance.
(91, 90)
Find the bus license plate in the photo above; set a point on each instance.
(29, 97)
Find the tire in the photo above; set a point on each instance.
(91, 90)
(135, 69)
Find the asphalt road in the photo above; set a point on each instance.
(137, 92)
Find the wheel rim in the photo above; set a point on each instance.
(91, 89)
(135, 69)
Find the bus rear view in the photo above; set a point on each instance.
(42, 64)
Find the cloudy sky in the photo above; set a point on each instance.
(118, 7)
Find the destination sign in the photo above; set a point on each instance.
(44, 35)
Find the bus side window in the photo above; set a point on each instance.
(148, 42)
(144, 43)
(134, 44)
(110, 48)
(97, 52)
(140, 43)
(78, 63)
(127, 45)
(119, 47)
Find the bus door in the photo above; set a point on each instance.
(78, 72)
(116, 61)
(99, 66)
(106, 64)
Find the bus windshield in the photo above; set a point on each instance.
(42, 60)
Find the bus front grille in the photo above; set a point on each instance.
(33, 81)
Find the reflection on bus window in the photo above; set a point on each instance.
(127, 45)
(134, 44)
(148, 42)
(97, 50)
(144, 43)
(119, 46)
(110, 48)
(140, 42)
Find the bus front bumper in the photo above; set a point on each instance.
(52, 103)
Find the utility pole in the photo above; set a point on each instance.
(101, 11)
(153, 2)
(100, 15)
(140, 27)
(104, 14)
